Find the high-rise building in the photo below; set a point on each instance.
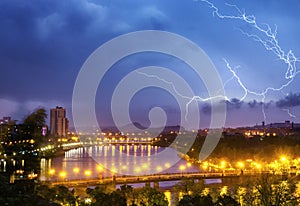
(59, 124)
(6, 120)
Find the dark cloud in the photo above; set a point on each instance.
(234, 103)
(291, 100)
(44, 43)
(253, 104)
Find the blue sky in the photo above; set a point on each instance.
(45, 43)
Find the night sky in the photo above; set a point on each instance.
(43, 45)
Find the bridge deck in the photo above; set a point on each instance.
(152, 178)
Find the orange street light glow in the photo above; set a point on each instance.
(87, 172)
(52, 172)
(76, 170)
(63, 174)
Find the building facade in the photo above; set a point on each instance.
(59, 124)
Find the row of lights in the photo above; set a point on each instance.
(277, 164)
(31, 141)
(76, 170)
(100, 168)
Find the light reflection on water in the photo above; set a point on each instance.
(76, 162)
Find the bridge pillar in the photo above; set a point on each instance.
(156, 185)
(147, 184)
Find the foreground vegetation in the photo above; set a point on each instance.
(263, 191)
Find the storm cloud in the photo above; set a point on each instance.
(45, 43)
(291, 100)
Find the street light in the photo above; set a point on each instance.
(241, 166)
(283, 159)
(223, 164)
(114, 170)
(159, 168)
(76, 170)
(258, 166)
(205, 165)
(87, 173)
(52, 172)
(182, 168)
(145, 166)
(189, 165)
(284, 164)
(63, 175)
(137, 169)
(167, 166)
(100, 168)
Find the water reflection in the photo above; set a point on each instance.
(76, 162)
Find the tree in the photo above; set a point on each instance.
(203, 200)
(33, 123)
(45, 192)
(226, 200)
(188, 186)
(36, 118)
(186, 200)
(128, 193)
(117, 198)
(100, 197)
(148, 196)
(64, 196)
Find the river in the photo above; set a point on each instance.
(107, 160)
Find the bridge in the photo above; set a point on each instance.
(156, 178)
(74, 145)
(130, 143)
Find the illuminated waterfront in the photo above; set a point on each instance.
(77, 164)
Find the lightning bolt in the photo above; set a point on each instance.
(289, 113)
(268, 38)
(189, 99)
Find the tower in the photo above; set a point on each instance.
(59, 124)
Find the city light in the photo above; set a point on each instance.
(283, 159)
(205, 165)
(145, 166)
(63, 174)
(258, 166)
(100, 168)
(158, 168)
(52, 172)
(182, 168)
(76, 170)
(223, 164)
(87, 173)
(114, 170)
(137, 169)
(241, 165)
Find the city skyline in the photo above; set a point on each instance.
(44, 48)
